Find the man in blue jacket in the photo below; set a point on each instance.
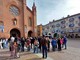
(54, 44)
(65, 42)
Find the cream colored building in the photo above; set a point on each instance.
(69, 26)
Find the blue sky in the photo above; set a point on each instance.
(47, 10)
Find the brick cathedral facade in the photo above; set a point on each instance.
(17, 19)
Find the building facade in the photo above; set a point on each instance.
(39, 30)
(16, 19)
(70, 26)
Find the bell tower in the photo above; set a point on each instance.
(24, 15)
(34, 18)
(34, 8)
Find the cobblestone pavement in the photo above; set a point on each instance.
(69, 54)
(74, 43)
(5, 55)
(72, 53)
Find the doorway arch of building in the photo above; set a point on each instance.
(15, 32)
(30, 33)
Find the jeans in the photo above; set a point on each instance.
(35, 48)
(22, 49)
(28, 48)
(54, 47)
(44, 51)
(64, 45)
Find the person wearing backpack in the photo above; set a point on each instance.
(44, 47)
(59, 44)
(11, 45)
(54, 44)
(28, 44)
(16, 47)
(61, 41)
(48, 42)
(35, 45)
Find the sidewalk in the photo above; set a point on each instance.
(28, 56)
(5, 55)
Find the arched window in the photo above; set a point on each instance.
(14, 21)
(30, 22)
(1, 26)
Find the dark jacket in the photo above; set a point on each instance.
(64, 40)
(43, 42)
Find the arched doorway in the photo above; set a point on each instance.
(30, 33)
(15, 33)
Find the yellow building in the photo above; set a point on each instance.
(39, 30)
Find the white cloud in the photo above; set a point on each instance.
(73, 6)
(73, 3)
(48, 10)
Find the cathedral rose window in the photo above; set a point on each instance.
(14, 10)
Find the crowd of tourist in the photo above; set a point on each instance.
(3, 43)
(42, 45)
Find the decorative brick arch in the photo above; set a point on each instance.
(15, 32)
(12, 3)
(30, 33)
(1, 23)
